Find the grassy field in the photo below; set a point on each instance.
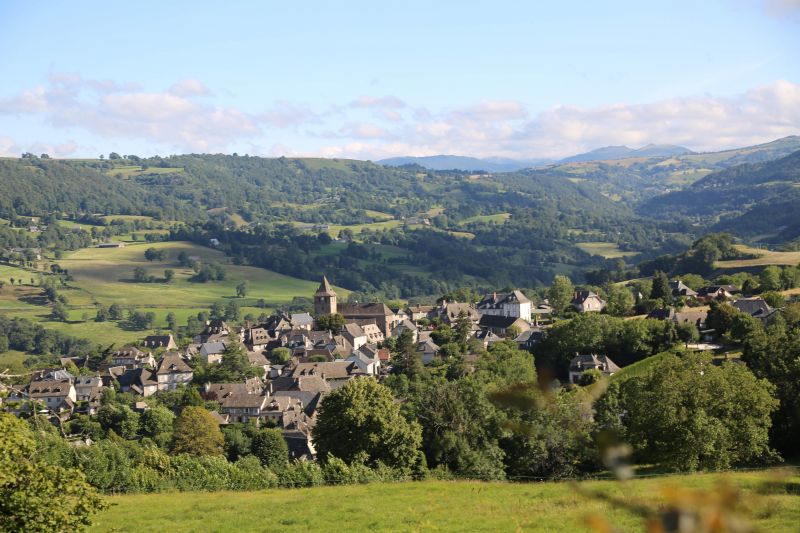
(607, 250)
(765, 257)
(103, 276)
(442, 506)
(497, 218)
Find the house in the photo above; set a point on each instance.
(581, 363)
(142, 381)
(587, 301)
(714, 292)
(448, 312)
(214, 391)
(528, 339)
(301, 321)
(132, 357)
(370, 366)
(257, 338)
(487, 337)
(371, 330)
(420, 312)
(680, 289)
(111, 245)
(354, 334)
(757, 308)
(214, 329)
(211, 352)
(160, 341)
(427, 350)
(243, 408)
(499, 325)
(173, 371)
(406, 325)
(513, 304)
(698, 318)
(336, 373)
(259, 360)
(56, 396)
(89, 389)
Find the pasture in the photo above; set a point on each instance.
(769, 500)
(607, 250)
(765, 257)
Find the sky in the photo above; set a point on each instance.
(370, 80)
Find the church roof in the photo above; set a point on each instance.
(325, 288)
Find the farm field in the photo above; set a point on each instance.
(765, 257)
(103, 276)
(441, 506)
(607, 250)
(497, 218)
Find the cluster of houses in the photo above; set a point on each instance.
(316, 361)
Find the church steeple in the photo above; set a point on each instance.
(325, 299)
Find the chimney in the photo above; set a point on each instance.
(494, 296)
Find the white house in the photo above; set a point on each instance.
(513, 304)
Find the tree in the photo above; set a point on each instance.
(154, 254)
(36, 496)
(59, 312)
(661, 289)
(197, 433)
(241, 289)
(687, 333)
(720, 317)
(770, 278)
(102, 313)
(271, 449)
(140, 275)
(620, 300)
(560, 293)
(362, 420)
(688, 413)
(172, 322)
(232, 311)
(463, 329)
(115, 312)
(169, 275)
(333, 322)
(280, 356)
(157, 423)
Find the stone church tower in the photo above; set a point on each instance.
(324, 299)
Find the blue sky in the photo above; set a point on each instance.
(371, 79)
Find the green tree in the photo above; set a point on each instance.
(241, 289)
(688, 413)
(232, 311)
(169, 275)
(115, 312)
(140, 275)
(661, 290)
(770, 279)
(271, 449)
(157, 423)
(362, 420)
(197, 433)
(59, 312)
(620, 300)
(36, 496)
(280, 356)
(560, 293)
(333, 322)
(102, 313)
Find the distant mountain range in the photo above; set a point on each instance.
(609, 153)
(457, 162)
(502, 164)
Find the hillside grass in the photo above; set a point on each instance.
(442, 506)
(765, 257)
(497, 218)
(607, 250)
(104, 276)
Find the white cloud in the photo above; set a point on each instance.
(183, 118)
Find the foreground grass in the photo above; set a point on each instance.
(435, 506)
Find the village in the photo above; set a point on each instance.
(299, 358)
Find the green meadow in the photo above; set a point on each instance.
(607, 250)
(104, 276)
(768, 501)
